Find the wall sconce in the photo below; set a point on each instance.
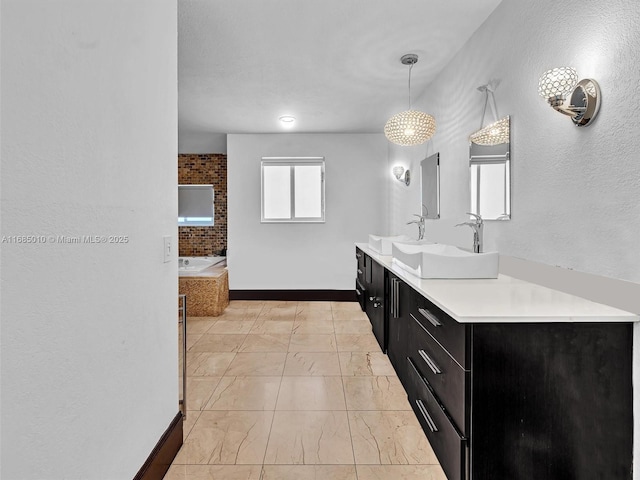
(398, 171)
(584, 95)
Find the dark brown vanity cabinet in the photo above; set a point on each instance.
(371, 282)
(400, 299)
(506, 400)
(523, 401)
(375, 301)
(360, 280)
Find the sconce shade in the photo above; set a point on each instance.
(410, 127)
(557, 82)
(495, 134)
(398, 170)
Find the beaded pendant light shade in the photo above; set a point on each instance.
(495, 133)
(411, 127)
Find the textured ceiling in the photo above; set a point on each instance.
(333, 64)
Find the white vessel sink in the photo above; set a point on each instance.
(382, 245)
(444, 261)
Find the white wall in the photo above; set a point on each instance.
(304, 256)
(89, 147)
(190, 142)
(576, 201)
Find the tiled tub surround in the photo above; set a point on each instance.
(296, 390)
(207, 291)
(209, 169)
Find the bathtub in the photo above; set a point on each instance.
(197, 264)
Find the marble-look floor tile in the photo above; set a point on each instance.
(312, 363)
(348, 315)
(191, 340)
(345, 307)
(272, 342)
(199, 324)
(313, 307)
(400, 472)
(257, 363)
(199, 391)
(189, 421)
(240, 315)
(227, 437)
(208, 363)
(218, 343)
(245, 393)
(311, 393)
(312, 326)
(313, 315)
(352, 342)
(279, 310)
(304, 342)
(365, 364)
(231, 326)
(362, 327)
(375, 393)
(245, 305)
(271, 326)
(309, 472)
(309, 438)
(214, 472)
(388, 438)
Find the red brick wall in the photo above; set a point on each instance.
(209, 169)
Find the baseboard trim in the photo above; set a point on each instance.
(163, 453)
(295, 295)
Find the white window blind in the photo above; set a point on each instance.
(195, 205)
(292, 189)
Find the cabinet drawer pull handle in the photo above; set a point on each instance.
(430, 363)
(432, 425)
(359, 272)
(358, 255)
(430, 316)
(358, 292)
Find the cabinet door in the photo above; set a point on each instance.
(398, 311)
(375, 302)
(552, 401)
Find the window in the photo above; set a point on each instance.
(292, 189)
(195, 205)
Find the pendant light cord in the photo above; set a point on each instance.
(494, 108)
(410, 67)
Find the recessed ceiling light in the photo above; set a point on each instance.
(287, 119)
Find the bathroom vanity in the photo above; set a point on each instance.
(509, 380)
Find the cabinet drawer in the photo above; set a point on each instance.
(360, 293)
(449, 446)
(447, 379)
(360, 266)
(447, 332)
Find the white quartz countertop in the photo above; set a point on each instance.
(505, 299)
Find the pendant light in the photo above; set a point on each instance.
(496, 133)
(411, 127)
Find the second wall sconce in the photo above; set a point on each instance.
(398, 173)
(558, 84)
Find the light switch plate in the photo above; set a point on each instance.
(168, 253)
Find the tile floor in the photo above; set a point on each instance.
(296, 390)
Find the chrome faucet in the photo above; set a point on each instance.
(420, 223)
(478, 228)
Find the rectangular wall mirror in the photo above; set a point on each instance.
(430, 186)
(490, 167)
